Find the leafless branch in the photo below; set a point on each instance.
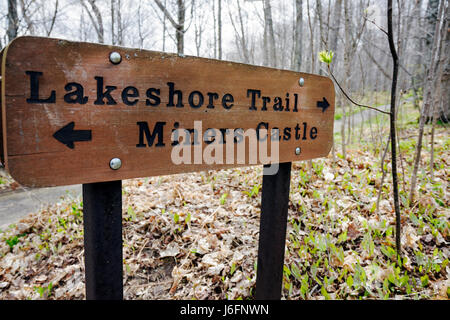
(350, 99)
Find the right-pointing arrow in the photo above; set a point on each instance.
(323, 104)
(67, 135)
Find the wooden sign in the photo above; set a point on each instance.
(81, 113)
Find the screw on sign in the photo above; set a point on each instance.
(115, 57)
(115, 163)
(65, 110)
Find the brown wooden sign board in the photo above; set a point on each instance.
(67, 110)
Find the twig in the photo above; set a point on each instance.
(350, 99)
(376, 25)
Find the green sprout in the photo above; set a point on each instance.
(326, 56)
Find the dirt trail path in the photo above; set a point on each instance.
(16, 204)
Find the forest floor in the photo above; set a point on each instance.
(195, 236)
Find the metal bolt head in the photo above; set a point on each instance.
(297, 150)
(115, 57)
(115, 163)
(301, 82)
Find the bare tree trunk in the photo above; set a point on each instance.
(219, 28)
(336, 25)
(179, 26)
(333, 45)
(164, 29)
(119, 24)
(199, 27)
(438, 94)
(113, 35)
(243, 38)
(82, 28)
(97, 22)
(13, 21)
(392, 130)
(269, 36)
(322, 41)
(26, 16)
(347, 49)
(52, 23)
(444, 65)
(297, 61)
(445, 80)
(311, 37)
(215, 31)
(98, 16)
(141, 35)
(427, 101)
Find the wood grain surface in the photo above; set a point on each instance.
(105, 124)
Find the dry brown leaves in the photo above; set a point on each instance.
(195, 236)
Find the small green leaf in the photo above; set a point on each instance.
(286, 271)
(233, 269)
(131, 213)
(326, 56)
(424, 280)
(349, 281)
(325, 293)
(223, 198)
(188, 218)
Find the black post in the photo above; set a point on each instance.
(272, 233)
(102, 211)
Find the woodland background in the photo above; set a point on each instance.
(180, 239)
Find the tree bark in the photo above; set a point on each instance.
(437, 81)
(119, 24)
(179, 26)
(52, 23)
(97, 22)
(13, 21)
(445, 80)
(243, 37)
(311, 37)
(347, 70)
(269, 36)
(113, 38)
(392, 130)
(336, 24)
(297, 61)
(219, 27)
(26, 16)
(427, 101)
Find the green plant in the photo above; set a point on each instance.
(232, 269)
(46, 291)
(389, 252)
(254, 192)
(131, 214)
(326, 56)
(223, 198)
(13, 240)
(176, 217)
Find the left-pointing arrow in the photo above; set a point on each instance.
(67, 135)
